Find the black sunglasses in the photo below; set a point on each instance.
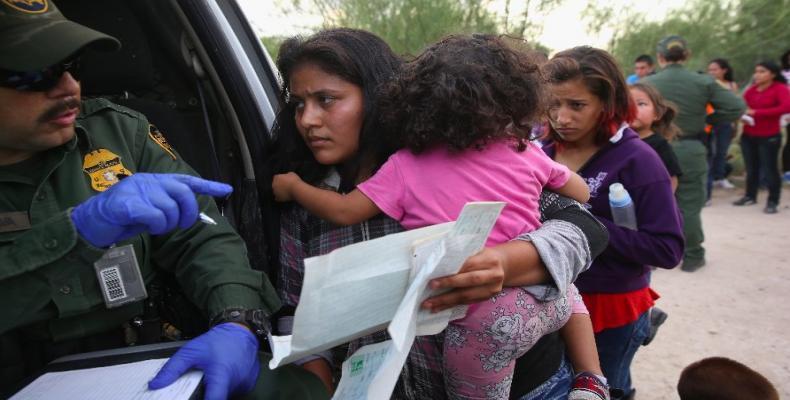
(40, 81)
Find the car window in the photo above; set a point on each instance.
(197, 72)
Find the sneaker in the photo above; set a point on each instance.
(588, 386)
(770, 208)
(692, 265)
(708, 203)
(657, 317)
(744, 201)
(786, 176)
(724, 184)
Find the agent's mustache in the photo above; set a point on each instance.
(60, 107)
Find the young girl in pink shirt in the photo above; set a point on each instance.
(459, 112)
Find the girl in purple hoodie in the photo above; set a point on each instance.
(589, 129)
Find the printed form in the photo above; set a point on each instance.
(362, 288)
(119, 382)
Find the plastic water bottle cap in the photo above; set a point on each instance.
(618, 196)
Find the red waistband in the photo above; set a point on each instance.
(612, 310)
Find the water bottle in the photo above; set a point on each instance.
(622, 207)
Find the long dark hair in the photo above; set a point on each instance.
(356, 56)
(463, 92)
(725, 65)
(774, 68)
(599, 71)
(785, 60)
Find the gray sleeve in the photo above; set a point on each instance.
(564, 250)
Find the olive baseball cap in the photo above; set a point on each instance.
(36, 35)
(670, 42)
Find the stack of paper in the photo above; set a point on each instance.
(360, 289)
(117, 382)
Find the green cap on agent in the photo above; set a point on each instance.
(36, 35)
(671, 42)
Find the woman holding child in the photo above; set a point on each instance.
(329, 134)
(588, 126)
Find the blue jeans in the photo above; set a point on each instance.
(719, 143)
(556, 387)
(617, 348)
(760, 154)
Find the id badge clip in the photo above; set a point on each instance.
(119, 277)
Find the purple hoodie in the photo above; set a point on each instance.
(625, 264)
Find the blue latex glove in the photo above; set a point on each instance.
(153, 203)
(228, 356)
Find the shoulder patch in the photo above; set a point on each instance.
(159, 139)
(103, 168)
(28, 6)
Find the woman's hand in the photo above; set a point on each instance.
(515, 263)
(282, 186)
(481, 276)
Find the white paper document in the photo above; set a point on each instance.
(117, 382)
(350, 292)
(361, 288)
(372, 372)
(432, 257)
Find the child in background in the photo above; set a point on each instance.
(459, 111)
(719, 378)
(654, 125)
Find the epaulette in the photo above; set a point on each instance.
(96, 105)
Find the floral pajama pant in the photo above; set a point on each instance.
(480, 350)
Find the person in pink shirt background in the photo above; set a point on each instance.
(459, 112)
(767, 99)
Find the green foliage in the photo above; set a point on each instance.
(272, 45)
(409, 25)
(742, 31)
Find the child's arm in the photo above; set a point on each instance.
(323, 370)
(340, 209)
(580, 341)
(576, 188)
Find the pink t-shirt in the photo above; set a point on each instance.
(432, 187)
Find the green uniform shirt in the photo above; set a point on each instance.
(691, 92)
(47, 280)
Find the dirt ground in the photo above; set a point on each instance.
(737, 306)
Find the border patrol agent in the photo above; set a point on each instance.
(691, 92)
(80, 249)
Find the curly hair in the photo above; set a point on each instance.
(602, 76)
(463, 92)
(665, 111)
(356, 56)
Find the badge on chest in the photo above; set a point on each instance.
(103, 168)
